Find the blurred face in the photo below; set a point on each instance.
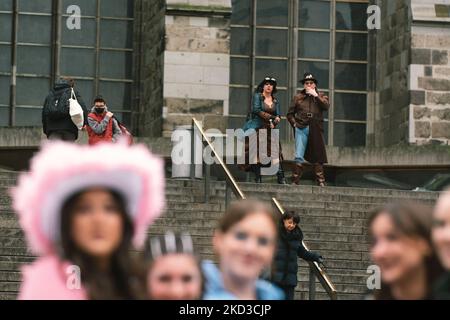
(174, 277)
(397, 255)
(268, 87)
(97, 224)
(247, 247)
(289, 224)
(441, 230)
(309, 85)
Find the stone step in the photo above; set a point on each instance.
(9, 286)
(12, 276)
(8, 295)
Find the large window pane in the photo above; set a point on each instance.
(284, 101)
(240, 41)
(310, 10)
(349, 106)
(5, 58)
(271, 42)
(5, 82)
(240, 71)
(34, 91)
(350, 76)
(5, 27)
(240, 100)
(274, 68)
(115, 64)
(116, 94)
(86, 90)
(4, 116)
(272, 13)
(86, 36)
(314, 45)
(6, 5)
(88, 7)
(35, 29)
(34, 60)
(27, 117)
(319, 69)
(117, 8)
(78, 62)
(241, 12)
(349, 134)
(116, 34)
(351, 16)
(351, 46)
(41, 6)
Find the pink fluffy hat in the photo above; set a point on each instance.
(61, 169)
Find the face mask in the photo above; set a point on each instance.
(99, 110)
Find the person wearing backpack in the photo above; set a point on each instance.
(102, 125)
(56, 120)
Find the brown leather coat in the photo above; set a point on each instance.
(306, 110)
(302, 105)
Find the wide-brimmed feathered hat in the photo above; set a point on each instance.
(308, 76)
(62, 169)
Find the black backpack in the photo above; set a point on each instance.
(57, 104)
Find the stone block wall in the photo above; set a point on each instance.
(430, 79)
(390, 116)
(149, 67)
(197, 63)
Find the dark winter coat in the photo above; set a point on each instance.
(289, 249)
(441, 290)
(56, 117)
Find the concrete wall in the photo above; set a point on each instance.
(197, 63)
(429, 75)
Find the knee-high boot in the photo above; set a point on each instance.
(320, 174)
(297, 173)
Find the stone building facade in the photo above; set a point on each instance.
(202, 58)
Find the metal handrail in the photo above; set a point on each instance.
(315, 269)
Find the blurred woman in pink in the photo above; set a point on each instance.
(82, 209)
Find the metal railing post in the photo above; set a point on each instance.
(312, 284)
(207, 181)
(193, 151)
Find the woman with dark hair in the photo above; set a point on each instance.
(173, 270)
(441, 240)
(290, 247)
(265, 114)
(244, 242)
(83, 209)
(401, 247)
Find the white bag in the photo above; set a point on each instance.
(76, 111)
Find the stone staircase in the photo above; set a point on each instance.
(332, 219)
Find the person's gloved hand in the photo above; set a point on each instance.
(318, 258)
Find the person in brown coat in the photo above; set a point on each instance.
(306, 118)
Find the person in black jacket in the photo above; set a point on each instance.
(290, 246)
(56, 121)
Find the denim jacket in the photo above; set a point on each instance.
(258, 116)
(215, 290)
